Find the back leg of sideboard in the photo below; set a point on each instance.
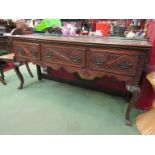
(28, 69)
(2, 80)
(39, 72)
(2, 73)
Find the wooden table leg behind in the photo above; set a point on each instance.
(16, 69)
(2, 80)
(135, 90)
(28, 69)
(2, 74)
(39, 72)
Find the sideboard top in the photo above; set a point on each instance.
(87, 40)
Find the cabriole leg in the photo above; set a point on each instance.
(135, 90)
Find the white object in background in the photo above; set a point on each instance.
(98, 33)
(72, 31)
(131, 35)
(31, 24)
(70, 25)
(90, 33)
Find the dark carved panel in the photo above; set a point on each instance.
(115, 61)
(21, 50)
(27, 50)
(73, 56)
(34, 51)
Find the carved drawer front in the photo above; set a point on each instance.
(20, 49)
(122, 62)
(34, 51)
(27, 50)
(72, 56)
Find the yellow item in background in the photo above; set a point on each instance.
(151, 79)
(146, 122)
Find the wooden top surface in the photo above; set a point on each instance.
(87, 40)
(7, 56)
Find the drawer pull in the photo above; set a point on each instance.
(20, 50)
(34, 52)
(49, 54)
(75, 58)
(124, 64)
(99, 60)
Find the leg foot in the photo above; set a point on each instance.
(128, 122)
(2, 80)
(135, 90)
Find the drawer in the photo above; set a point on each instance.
(64, 55)
(20, 49)
(27, 50)
(122, 62)
(34, 52)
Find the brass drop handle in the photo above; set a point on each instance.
(20, 50)
(49, 54)
(99, 60)
(75, 58)
(34, 52)
(124, 64)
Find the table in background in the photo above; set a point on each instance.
(5, 58)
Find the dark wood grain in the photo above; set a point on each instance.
(86, 40)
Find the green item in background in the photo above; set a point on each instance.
(3, 52)
(46, 23)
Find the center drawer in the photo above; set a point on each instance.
(124, 62)
(67, 55)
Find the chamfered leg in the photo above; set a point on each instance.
(18, 73)
(28, 69)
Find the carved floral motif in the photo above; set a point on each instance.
(120, 63)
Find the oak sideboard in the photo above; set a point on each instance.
(89, 57)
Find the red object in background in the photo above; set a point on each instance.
(111, 84)
(147, 93)
(104, 27)
(8, 66)
(63, 74)
(151, 36)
